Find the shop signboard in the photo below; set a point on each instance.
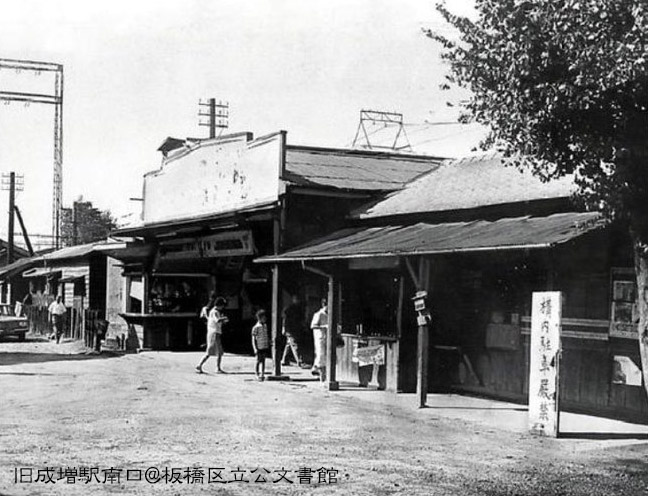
(226, 244)
(545, 350)
(368, 355)
(215, 176)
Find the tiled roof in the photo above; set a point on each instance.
(464, 184)
(362, 170)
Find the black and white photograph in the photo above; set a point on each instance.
(346, 247)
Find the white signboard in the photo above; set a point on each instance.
(226, 244)
(368, 355)
(544, 363)
(215, 176)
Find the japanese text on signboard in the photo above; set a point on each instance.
(544, 355)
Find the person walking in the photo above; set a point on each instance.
(319, 325)
(293, 320)
(215, 320)
(57, 312)
(260, 344)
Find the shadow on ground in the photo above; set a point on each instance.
(11, 358)
(603, 435)
(479, 408)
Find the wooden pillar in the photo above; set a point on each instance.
(422, 351)
(276, 358)
(331, 335)
(279, 222)
(145, 291)
(147, 339)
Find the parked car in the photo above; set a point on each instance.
(10, 325)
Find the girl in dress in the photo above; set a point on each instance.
(215, 320)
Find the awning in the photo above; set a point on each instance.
(455, 237)
(130, 252)
(41, 272)
(17, 267)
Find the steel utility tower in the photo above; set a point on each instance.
(55, 99)
(388, 120)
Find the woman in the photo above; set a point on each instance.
(215, 320)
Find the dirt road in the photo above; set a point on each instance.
(137, 412)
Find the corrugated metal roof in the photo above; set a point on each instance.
(78, 251)
(426, 238)
(354, 169)
(466, 183)
(18, 266)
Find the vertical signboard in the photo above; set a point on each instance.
(544, 363)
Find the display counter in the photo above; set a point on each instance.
(167, 331)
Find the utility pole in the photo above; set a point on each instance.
(217, 115)
(75, 229)
(24, 231)
(12, 204)
(9, 183)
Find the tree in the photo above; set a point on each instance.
(83, 223)
(563, 87)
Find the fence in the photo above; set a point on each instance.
(79, 324)
(95, 328)
(38, 319)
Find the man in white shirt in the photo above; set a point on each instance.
(319, 325)
(57, 312)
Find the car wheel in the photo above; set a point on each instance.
(21, 337)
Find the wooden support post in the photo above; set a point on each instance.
(276, 322)
(331, 338)
(278, 226)
(422, 351)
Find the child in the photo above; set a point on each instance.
(260, 343)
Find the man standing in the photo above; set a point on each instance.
(319, 324)
(293, 319)
(57, 312)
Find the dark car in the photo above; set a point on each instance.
(10, 325)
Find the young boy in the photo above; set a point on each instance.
(260, 343)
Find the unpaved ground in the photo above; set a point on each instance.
(152, 410)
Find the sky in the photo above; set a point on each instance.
(135, 71)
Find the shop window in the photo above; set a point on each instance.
(135, 294)
(624, 316)
(177, 293)
(80, 287)
(370, 303)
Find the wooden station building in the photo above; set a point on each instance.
(215, 205)
(480, 237)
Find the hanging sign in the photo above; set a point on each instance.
(545, 355)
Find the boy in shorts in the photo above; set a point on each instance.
(260, 343)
